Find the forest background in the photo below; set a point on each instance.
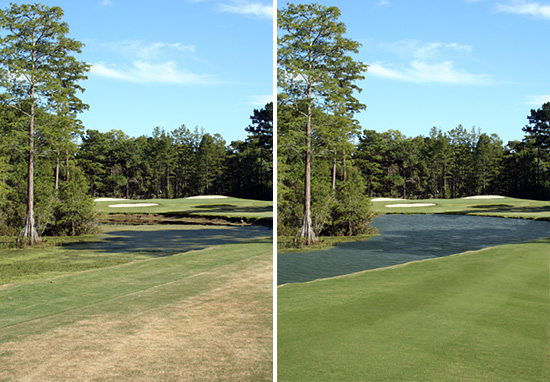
(318, 132)
(50, 165)
(80, 164)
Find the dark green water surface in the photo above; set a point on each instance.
(405, 238)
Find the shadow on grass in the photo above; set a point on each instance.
(166, 242)
(493, 206)
(230, 208)
(508, 208)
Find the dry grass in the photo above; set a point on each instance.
(223, 333)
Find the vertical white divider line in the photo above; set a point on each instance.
(274, 190)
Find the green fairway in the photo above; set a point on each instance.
(118, 244)
(499, 207)
(479, 316)
(222, 207)
(199, 315)
(143, 302)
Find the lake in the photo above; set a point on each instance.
(405, 238)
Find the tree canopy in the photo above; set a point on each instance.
(316, 73)
(38, 70)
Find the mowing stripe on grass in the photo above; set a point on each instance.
(479, 316)
(204, 315)
(30, 301)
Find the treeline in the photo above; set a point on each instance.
(453, 164)
(61, 203)
(49, 167)
(329, 167)
(180, 163)
(72, 165)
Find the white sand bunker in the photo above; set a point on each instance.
(484, 197)
(133, 205)
(411, 205)
(385, 199)
(107, 199)
(207, 197)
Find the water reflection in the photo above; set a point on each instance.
(405, 238)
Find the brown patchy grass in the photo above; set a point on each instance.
(221, 334)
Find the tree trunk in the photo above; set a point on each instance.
(67, 165)
(306, 232)
(344, 164)
(57, 172)
(29, 235)
(334, 173)
(445, 181)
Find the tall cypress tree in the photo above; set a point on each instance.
(315, 70)
(37, 70)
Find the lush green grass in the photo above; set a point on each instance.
(225, 207)
(501, 207)
(285, 244)
(479, 316)
(118, 244)
(29, 301)
(143, 302)
(141, 320)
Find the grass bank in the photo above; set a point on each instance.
(225, 207)
(200, 315)
(480, 316)
(118, 244)
(499, 207)
(285, 244)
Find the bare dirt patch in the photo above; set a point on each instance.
(183, 219)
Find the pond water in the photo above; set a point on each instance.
(165, 240)
(405, 238)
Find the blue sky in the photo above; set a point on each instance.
(482, 63)
(205, 63)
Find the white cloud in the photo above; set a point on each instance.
(537, 100)
(428, 62)
(148, 50)
(383, 3)
(425, 50)
(146, 72)
(525, 8)
(378, 70)
(260, 100)
(244, 7)
(107, 3)
(151, 62)
(424, 72)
